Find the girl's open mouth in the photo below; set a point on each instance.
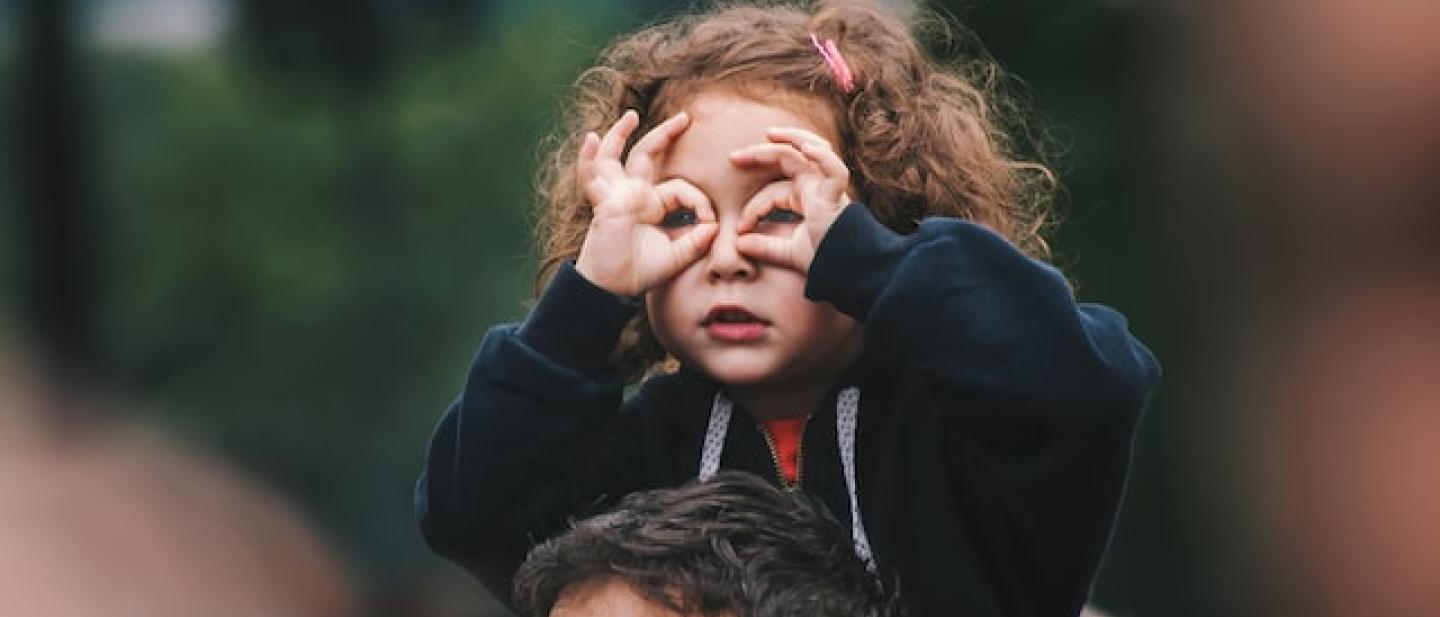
(734, 324)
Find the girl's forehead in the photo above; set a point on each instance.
(752, 107)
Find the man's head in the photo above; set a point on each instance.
(734, 546)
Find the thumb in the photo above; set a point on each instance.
(688, 248)
(776, 250)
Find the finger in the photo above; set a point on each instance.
(816, 149)
(587, 171)
(827, 160)
(775, 194)
(819, 152)
(613, 144)
(790, 161)
(585, 161)
(783, 251)
(589, 145)
(677, 192)
(829, 185)
(693, 244)
(796, 136)
(641, 161)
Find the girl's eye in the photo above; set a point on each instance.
(679, 217)
(781, 215)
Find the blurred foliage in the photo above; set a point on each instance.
(306, 230)
(9, 150)
(297, 274)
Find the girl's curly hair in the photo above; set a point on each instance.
(921, 137)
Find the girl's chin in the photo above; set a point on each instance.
(739, 373)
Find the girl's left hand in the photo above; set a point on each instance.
(807, 202)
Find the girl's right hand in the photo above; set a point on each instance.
(642, 232)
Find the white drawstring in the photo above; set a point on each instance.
(847, 409)
(720, 412)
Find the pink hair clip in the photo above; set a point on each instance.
(838, 67)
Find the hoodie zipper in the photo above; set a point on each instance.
(775, 456)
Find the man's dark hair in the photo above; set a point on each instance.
(734, 543)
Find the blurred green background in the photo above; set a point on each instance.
(279, 229)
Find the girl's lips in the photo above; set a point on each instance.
(731, 313)
(732, 323)
(742, 332)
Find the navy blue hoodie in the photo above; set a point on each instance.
(995, 423)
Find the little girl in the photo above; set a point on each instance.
(811, 248)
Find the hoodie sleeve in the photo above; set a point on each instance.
(501, 465)
(960, 305)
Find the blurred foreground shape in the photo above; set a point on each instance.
(99, 516)
(1334, 257)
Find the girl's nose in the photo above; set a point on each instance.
(726, 263)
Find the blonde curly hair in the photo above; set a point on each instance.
(921, 137)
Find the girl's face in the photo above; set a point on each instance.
(741, 321)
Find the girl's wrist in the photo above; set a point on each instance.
(595, 277)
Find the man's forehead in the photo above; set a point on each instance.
(607, 597)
